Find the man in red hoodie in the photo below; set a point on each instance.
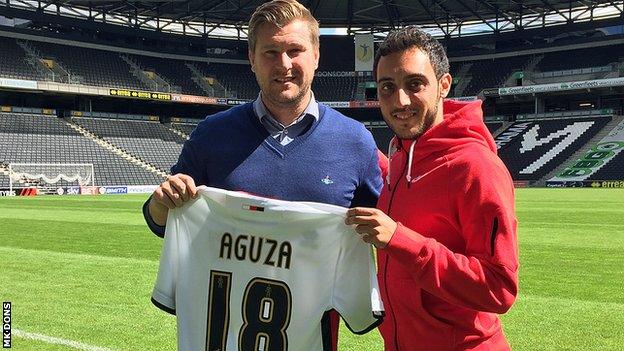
(445, 225)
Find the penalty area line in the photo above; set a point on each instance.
(58, 341)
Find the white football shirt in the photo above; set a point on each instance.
(243, 272)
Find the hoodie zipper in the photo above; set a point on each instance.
(393, 191)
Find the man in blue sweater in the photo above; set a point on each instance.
(284, 145)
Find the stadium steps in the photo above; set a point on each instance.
(137, 72)
(34, 59)
(581, 152)
(528, 68)
(502, 128)
(112, 148)
(56, 73)
(178, 132)
(463, 79)
(199, 79)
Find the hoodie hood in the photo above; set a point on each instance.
(462, 123)
(461, 126)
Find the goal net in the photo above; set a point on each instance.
(50, 176)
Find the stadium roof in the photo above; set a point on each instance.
(446, 17)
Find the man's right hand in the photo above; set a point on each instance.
(172, 193)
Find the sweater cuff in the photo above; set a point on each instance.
(158, 230)
(406, 245)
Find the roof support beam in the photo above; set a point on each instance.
(389, 13)
(471, 10)
(433, 17)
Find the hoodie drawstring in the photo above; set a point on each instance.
(409, 163)
(391, 151)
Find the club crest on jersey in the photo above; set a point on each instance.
(253, 208)
(327, 180)
(256, 249)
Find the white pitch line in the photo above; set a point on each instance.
(58, 341)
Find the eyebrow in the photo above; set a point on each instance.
(278, 46)
(411, 76)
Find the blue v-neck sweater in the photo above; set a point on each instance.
(334, 161)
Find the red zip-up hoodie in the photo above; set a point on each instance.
(451, 266)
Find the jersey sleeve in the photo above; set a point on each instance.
(356, 293)
(163, 294)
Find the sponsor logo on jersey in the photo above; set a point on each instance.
(327, 180)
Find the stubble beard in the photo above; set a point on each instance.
(417, 131)
(280, 100)
(425, 124)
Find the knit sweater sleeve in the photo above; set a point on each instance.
(484, 276)
(190, 159)
(370, 182)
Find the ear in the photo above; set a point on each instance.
(317, 56)
(445, 85)
(250, 55)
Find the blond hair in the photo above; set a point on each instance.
(280, 13)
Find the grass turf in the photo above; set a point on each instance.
(82, 269)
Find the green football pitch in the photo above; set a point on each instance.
(79, 273)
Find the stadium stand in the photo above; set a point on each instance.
(382, 135)
(91, 66)
(614, 169)
(491, 73)
(334, 88)
(107, 68)
(175, 72)
(150, 142)
(493, 126)
(34, 138)
(532, 149)
(238, 80)
(14, 62)
(580, 58)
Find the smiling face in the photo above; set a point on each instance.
(284, 60)
(410, 96)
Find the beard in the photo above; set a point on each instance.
(285, 98)
(411, 132)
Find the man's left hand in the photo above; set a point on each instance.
(372, 224)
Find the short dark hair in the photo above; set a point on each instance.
(413, 37)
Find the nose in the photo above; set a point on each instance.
(403, 99)
(285, 61)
